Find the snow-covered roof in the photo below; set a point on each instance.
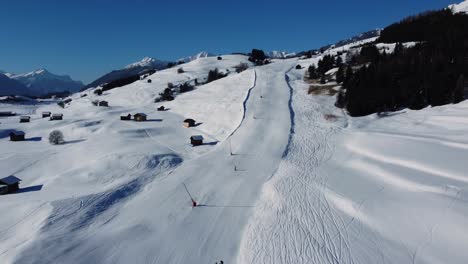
(140, 114)
(9, 180)
(25, 117)
(57, 114)
(18, 133)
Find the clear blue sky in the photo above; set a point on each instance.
(87, 38)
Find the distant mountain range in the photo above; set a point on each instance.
(145, 65)
(37, 83)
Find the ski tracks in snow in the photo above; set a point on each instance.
(294, 221)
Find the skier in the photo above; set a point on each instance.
(194, 204)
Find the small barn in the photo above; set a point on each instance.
(139, 117)
(56, 117)
(46, 114)
(25, 119)
(7, 113)
(189, 122)
(103, 103)
(196, 140)
(127, 117)
(9, 184)
(161, 108)
(17, 136)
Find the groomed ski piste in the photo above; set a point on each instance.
(283, 177)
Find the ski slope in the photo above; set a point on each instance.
(276, 181)
(374, 189)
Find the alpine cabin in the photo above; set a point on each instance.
(196, 140)
(25, 119)
(46, 114)
(189, 122)
(17, 136)
(9, 184)
(139, 117)
(127, 117)
(56, 117)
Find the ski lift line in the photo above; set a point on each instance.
(185, 186)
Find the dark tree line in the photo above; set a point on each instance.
(214, 75)
(431, 73)
(120, 82)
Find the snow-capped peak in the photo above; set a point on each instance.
(280, 54)
(145, 62)
(41, 82)
(460, 8)
(197, 56)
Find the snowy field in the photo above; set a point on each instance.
(283, 177)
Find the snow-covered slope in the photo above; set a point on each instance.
(364, 190)
(42, 82)
(283, 176)
(460, 8)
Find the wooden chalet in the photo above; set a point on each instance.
(17, 136)
(139, 117)
(103, 103)
(9, 184)
(25, 119)
(127, 117)
(189, 122)
(56, 117)
(46, 114)
(7, 113)
(196, 140)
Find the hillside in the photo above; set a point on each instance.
(283, 175)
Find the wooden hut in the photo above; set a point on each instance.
(149, 81)
(56, 117)
(139, 117)
(7, 113)
(9, 184)
(17, 136)
(189, 122)
(161, 108)
(46, 114)
(196, 140)
(25, 119)
(127, 117)
(103, 103)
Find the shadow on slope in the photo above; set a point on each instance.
(66, 228)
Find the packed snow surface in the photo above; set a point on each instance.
(282, 177)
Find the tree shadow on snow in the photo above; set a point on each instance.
(74, 141)
(154, 120)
